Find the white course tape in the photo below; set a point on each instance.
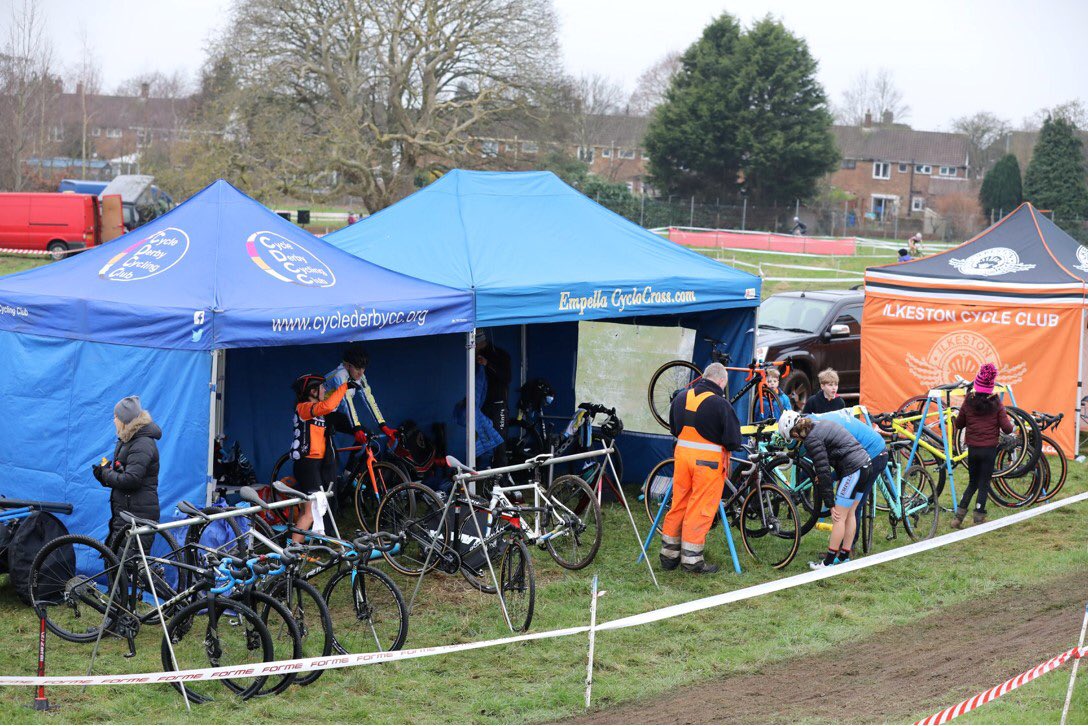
(355, 659)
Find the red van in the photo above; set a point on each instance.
(53, 222)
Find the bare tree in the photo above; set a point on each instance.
(651, 86)
(387, 87)
(983, 131)
(876, 94)
(27, 88)
(159, 85)
(86, 78)
(1074, 111)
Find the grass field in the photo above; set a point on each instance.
(543, 681)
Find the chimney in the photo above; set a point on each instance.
(886, 118)
(868, 122)
(145, 89)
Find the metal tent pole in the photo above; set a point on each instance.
(213, 425)
(470, 397)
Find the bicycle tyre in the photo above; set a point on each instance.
(406, 509)
(237, 546)
(55, 582)
(201, 651)
(658, 487)
(480, 575)
(1057, 478)
(918, 501)
(868, 522)
(365, 587)
(303, 600)
(289, 513)
(761, 405)
(583, 516)
(1020, 491)
(281, 626)
(369, 492)
(666, 382)
(1026, 428)
(803, 487)
(767, 515)
(592, 469)
(518, 584)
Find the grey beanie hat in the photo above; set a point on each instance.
(127, 409)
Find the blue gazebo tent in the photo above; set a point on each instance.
(153, 312)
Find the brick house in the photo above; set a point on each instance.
(893, 170)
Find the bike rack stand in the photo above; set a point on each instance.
(725, 527)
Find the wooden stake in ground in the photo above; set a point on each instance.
(1076, 664)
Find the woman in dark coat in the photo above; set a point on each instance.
(133, 477)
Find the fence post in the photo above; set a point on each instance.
(744, 214)
(691, 217)
(642, 211)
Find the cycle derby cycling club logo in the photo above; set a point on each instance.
(991, 263)
(149, 257)
(960, 354)
(288, 261)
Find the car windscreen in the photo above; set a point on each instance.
(795, 314)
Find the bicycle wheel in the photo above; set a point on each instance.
(216, 632)
(1059, 469)
(762, 405)
(369, 491)
(597, 468)
(667, 381)
(798, 477)
(70, 582)
(657, 491)
(518, 584)
(474, 563)
(1025, 450)
(1014, 492)
(416, 511)
(169, 564)
(867, 515)
(282, 471)
(368, 610)
(574, 518)
(309, 610)
(225, 536)
(918, 503)
(769, 526)
(285, 634)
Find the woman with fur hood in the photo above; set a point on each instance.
(133, 477)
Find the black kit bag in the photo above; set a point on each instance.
(30, 536)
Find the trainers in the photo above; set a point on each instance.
(817, 565)
(840, 562)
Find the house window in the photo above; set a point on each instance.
(903, 168)
(96, 131)
(947, 171)
(606, 152)
(917, 204)
(882, 170)
(849, 163)
(923, 169)
(489, 148)
(585, 153)
(113, 133)
(627, 153)
(884, 206)
(529, 147)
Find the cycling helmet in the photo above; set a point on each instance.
(304, 384)
(786, 422)
(356, 355)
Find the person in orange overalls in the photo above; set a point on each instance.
(706, 428)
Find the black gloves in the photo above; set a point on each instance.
(96, 471)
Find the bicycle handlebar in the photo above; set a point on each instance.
(374, 541)
(596, 408)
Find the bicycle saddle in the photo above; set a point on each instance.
(453, 463)
(187, 507)
(282, 488)
(250, 495)
(133, 519)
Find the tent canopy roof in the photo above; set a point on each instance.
(536, 250)
(1023, 249)
(221, 271)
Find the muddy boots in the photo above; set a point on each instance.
(691, 557)
(670, 552)
(957, 521)
(979, 517)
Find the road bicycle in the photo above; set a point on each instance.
(679, 375)
(909, 500)
(763, 511)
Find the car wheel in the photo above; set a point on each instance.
(57, 250)
(798, 387)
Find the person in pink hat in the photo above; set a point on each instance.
(983, 418)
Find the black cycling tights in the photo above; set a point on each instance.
(980, 466)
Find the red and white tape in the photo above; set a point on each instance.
(942, 717)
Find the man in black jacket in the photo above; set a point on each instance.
(496, 363)
(133, 475)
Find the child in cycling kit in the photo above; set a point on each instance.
(312, 449)
(984, 419)
(835, 455)
(874, 446)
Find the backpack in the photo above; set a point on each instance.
(415, 446)
(30, 536)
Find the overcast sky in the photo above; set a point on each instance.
(948, 57)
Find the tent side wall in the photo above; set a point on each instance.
(914, 342)
(60, 394)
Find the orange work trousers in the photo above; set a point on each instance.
(697, 484)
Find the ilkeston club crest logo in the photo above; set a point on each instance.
(991, 263)
(961, 353)
(1082, 258)
(288, 261)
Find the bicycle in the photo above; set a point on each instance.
(763, 511)
(1043, 483)
(910, 498)
(679, 375)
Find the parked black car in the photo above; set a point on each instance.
(817, 329)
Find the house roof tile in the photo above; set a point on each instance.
(900, 144)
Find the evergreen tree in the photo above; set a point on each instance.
(1001, 191)
(746, 110)
(1055, 177)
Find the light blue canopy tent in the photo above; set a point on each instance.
(153, 312)
(536, 251)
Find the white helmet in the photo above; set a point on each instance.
(786, 422)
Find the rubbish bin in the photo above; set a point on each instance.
(304, 216)
(285, 215)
